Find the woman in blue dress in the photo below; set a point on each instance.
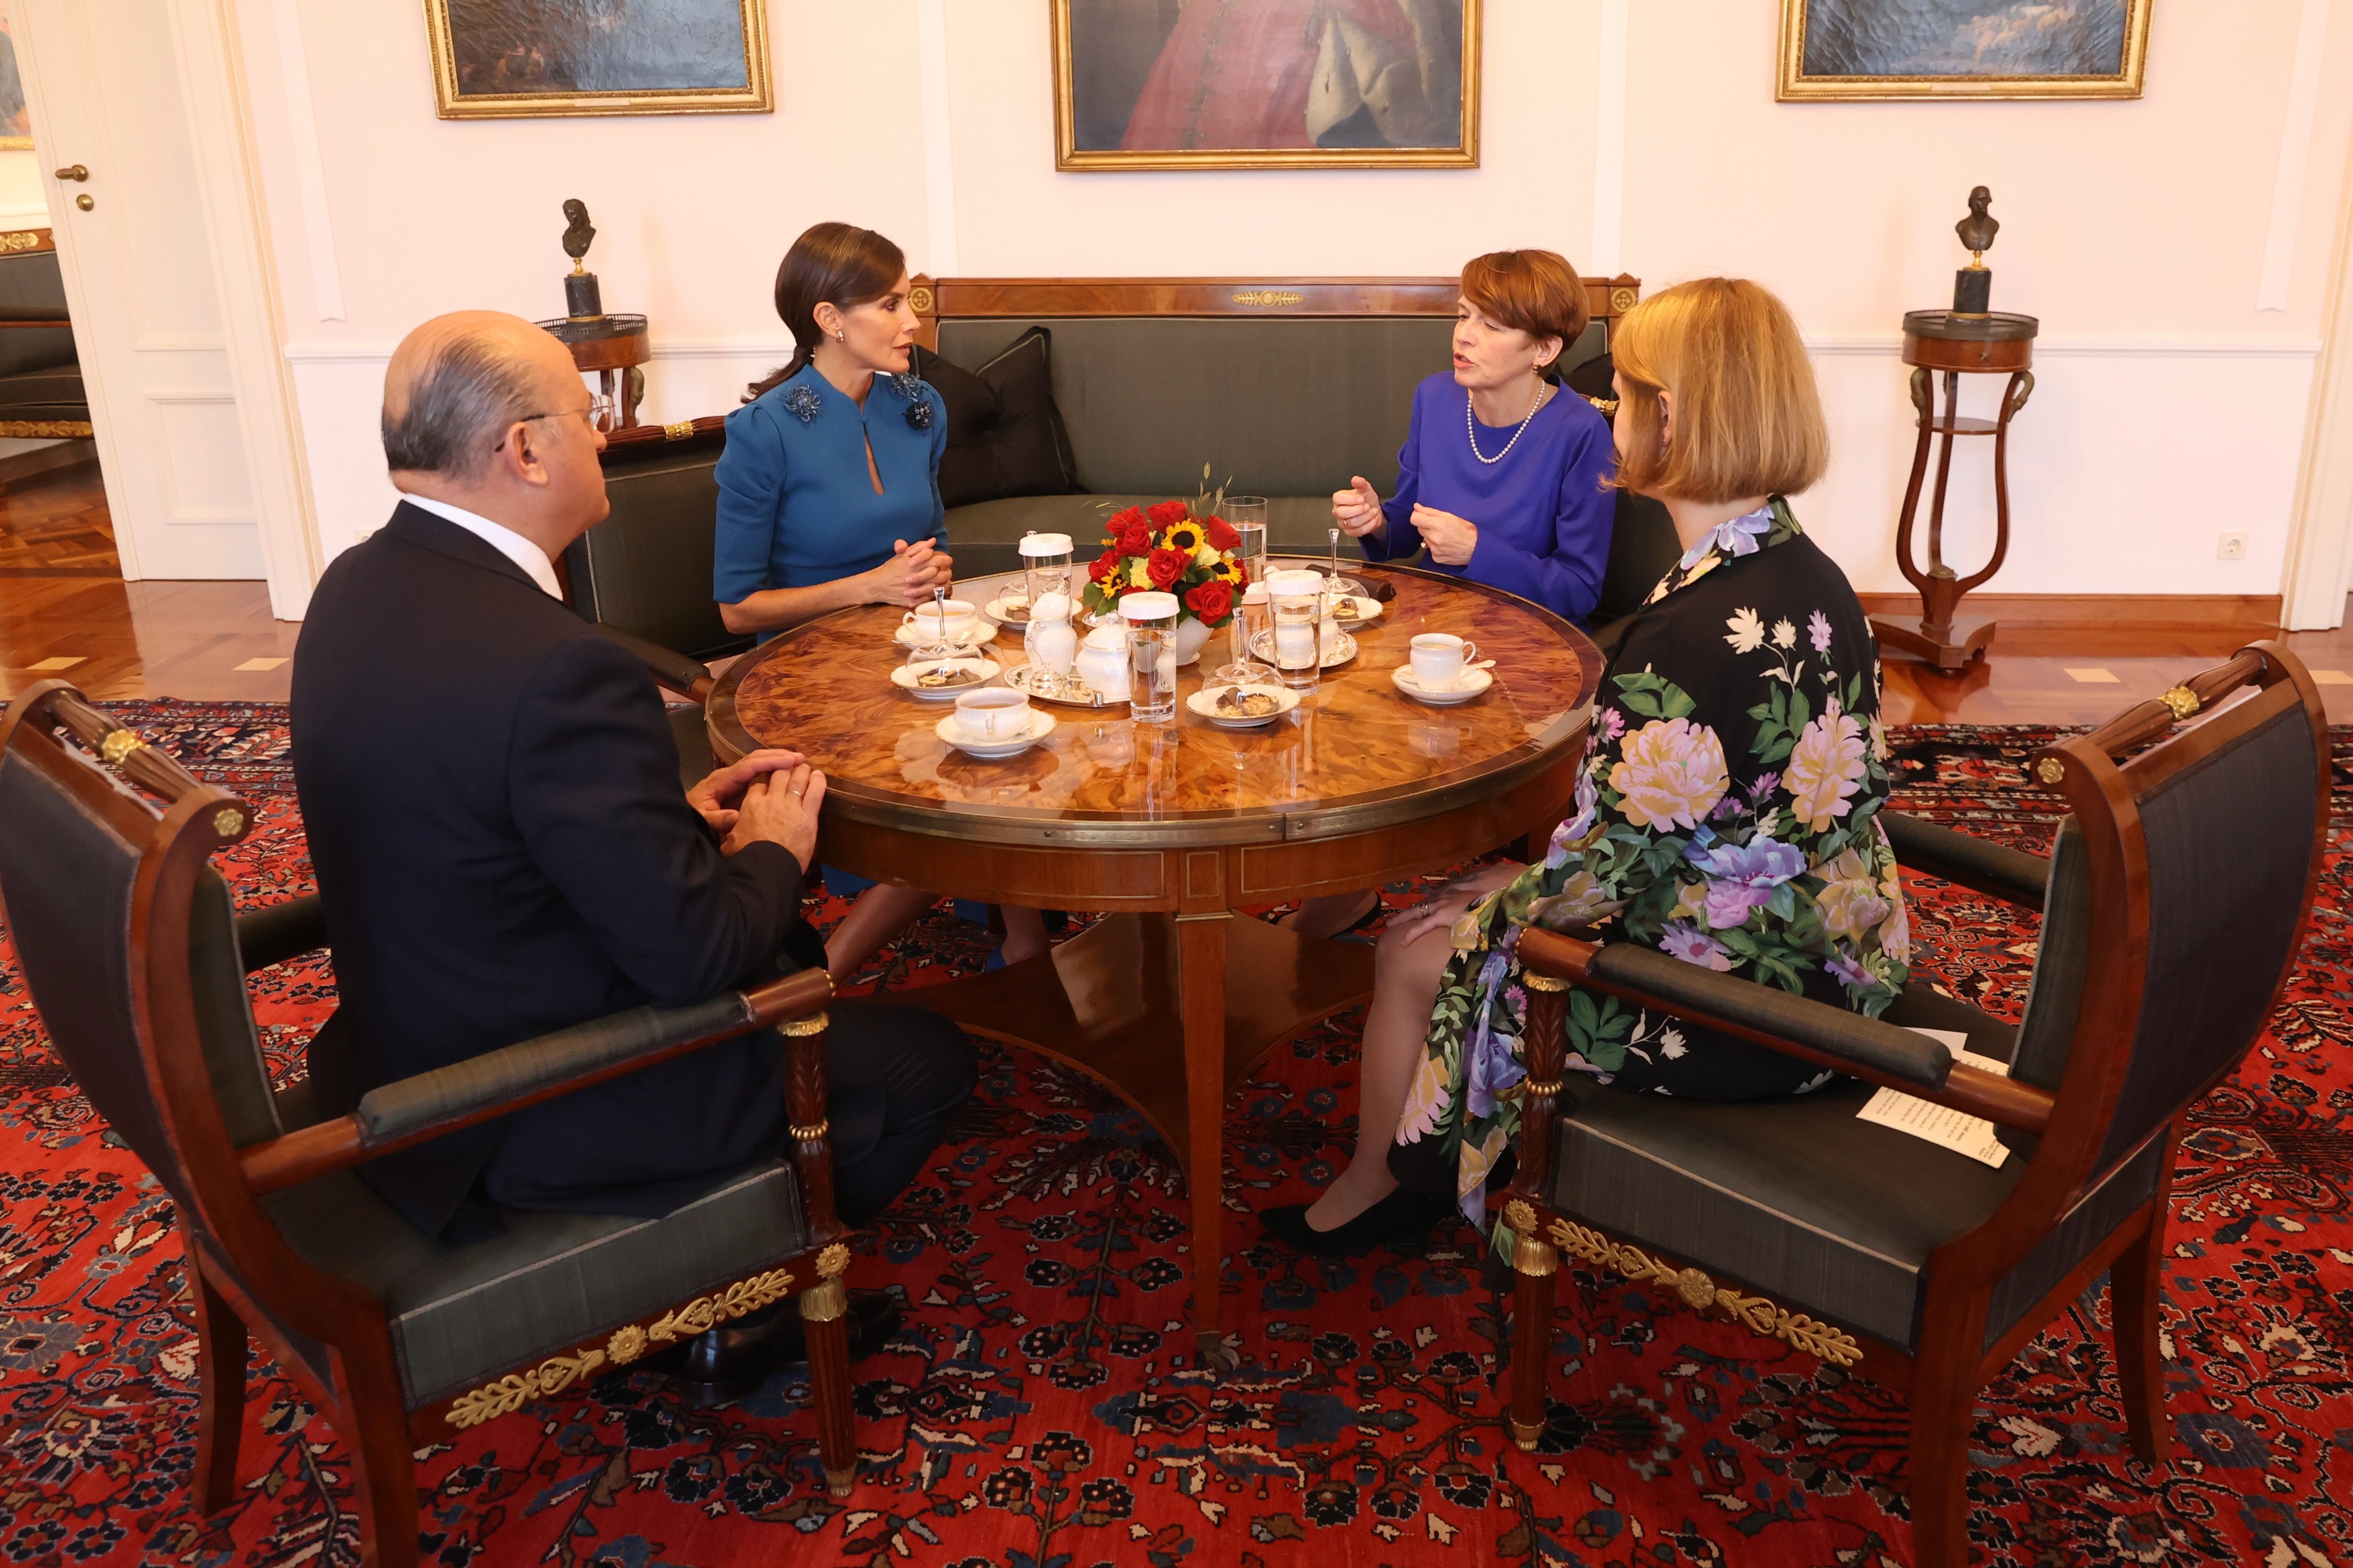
(1505, 475)
(828, 496)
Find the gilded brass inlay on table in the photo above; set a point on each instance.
(1168, 827)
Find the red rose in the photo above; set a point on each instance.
(1241, 575)
(1103, 565)
(1219, 533)
(1135, 542)
(1121, 521)
(1164, 566)
(1212, 601)
(1165, 512)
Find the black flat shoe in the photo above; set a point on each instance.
(724, 1364)
(1402, 1215)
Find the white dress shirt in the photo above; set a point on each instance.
(504, 540)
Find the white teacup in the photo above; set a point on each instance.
(1438, 658)
(962, 621)
(993, 713)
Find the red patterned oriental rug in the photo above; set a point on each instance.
(1041, 1410)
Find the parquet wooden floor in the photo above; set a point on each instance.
(55, 525)
(190, 639)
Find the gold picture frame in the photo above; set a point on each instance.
(1797, 84)
(15, 143)
(1078, 148)
(454, 99)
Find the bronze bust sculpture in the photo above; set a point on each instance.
(581, 300)
(1977, 231)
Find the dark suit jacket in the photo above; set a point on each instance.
(491, 791)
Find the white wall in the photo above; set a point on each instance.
(2169, 406)
(22, 190)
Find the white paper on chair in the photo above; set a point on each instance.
(1939, 1124)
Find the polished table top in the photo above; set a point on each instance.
(1356, 755)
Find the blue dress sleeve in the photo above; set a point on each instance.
(751, 477)
(1401, 541)
(1566, 577)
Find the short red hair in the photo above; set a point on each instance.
(1534, 291)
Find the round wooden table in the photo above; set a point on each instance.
(1170, 828)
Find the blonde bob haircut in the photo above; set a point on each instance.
(1747, 418)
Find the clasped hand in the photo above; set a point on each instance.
(770, 796)
(1451, 539)
(912, 574)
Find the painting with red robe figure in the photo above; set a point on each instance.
(1233, 83)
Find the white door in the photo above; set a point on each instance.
(104, 89)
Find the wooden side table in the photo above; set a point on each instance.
(1956, 345)
(612, 346)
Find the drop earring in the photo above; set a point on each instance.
(839, 336)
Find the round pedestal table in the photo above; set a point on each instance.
(1170, 828)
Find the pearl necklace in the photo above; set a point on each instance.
(1470, 425)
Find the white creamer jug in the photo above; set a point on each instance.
(1049, 642)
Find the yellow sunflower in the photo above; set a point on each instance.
(1225, 570)
(1185, 536)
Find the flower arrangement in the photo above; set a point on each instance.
(1172, 547)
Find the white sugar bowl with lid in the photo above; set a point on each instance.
(1102, 661)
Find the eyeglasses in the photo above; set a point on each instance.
(599, 410)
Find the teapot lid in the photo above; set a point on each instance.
(1051, 607)
(1111, 634)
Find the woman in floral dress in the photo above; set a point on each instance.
(1726, 812)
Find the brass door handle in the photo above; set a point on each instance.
(78, 171)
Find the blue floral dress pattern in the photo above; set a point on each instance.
(1727, 812)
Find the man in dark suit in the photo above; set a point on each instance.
(490, 792)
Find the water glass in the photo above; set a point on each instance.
(1045, 565)
(1251, 618)
(1246, 515)
(1152, 655)
(1297, 600)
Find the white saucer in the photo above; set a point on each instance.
(1008, 611)
(1042, 725)
(908, 637)
(903, 678)
(1027, 678)
(1360, 610)
(1337, 652)
(1467, 685)
(1205, 703)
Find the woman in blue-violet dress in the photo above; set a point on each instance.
(1505, 475)
(1727, 811)
(830, 497)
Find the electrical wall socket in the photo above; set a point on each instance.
(2233, 547)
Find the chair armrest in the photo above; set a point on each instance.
(1876, 1052)
(1991, 869)
(689, 678)
(273, 935)
(501, 1082)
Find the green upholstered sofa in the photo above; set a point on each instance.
(1284, 388)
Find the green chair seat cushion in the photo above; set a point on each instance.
(554, 1283)
(1796, 1197)
(981, 537)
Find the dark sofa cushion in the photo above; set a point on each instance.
(1006, 438)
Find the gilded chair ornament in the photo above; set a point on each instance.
(834, 1261)
(119, 744)
(802, 1134)
(1536, 980)
(2182, 700)
(2050, 770)
(1754, 1313)
(815, 1025)
(626, 1344)
(682, 431)
(228, 822)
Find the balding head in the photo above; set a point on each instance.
(457, 381)
(486, 412)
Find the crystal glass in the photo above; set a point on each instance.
(1246, 515)
(1251, 618)
(1045, 565)
(1297, 601)
(1152, 655)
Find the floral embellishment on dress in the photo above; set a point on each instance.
(919, 407)
(1670, 773)
(804, 402)
(1742, 878)
(1693, 945)
(1825, 768)
(1818, 632)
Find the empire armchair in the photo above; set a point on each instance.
(2173, 904)
(137, 965)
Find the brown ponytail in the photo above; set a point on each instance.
(836, 263)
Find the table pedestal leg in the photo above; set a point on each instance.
(1201, 1005)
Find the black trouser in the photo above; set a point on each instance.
(893, 1077)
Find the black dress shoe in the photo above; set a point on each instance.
(724, 1364)
(1402, 1215)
